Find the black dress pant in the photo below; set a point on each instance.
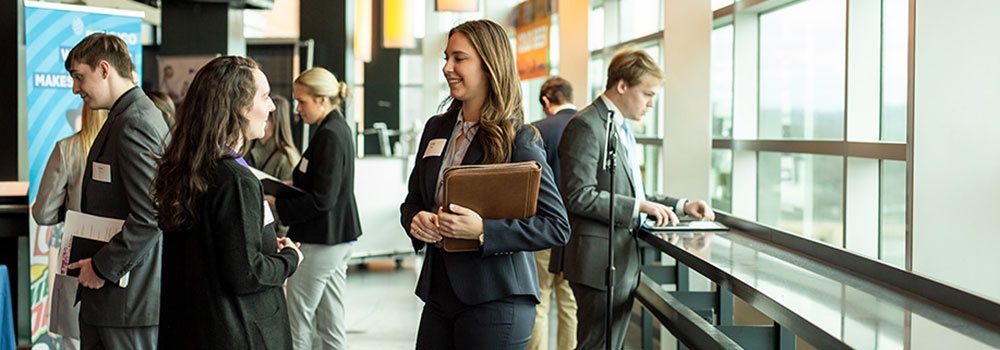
(447, 323)
(592, 310)
(111, 338)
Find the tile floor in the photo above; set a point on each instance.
(383, 312)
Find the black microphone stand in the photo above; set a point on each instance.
(611, 143)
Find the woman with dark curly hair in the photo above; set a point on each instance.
(223, 266)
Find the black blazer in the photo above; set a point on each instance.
(222, 277)
(503, 266)
(328, 213)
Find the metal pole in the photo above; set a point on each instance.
(611, 144)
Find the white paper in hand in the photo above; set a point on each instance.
(93, 227)
(268, 215)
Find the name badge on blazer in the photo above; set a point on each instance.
(268, 215)
(303, 165)
(102, 172)
(435, 147)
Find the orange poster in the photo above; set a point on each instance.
(533, 49)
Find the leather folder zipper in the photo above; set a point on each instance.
(489, 166)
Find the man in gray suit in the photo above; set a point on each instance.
(633, 80)
(116, 183)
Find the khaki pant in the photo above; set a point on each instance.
(565, 302)
(315, 296)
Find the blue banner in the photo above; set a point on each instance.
(50, 31)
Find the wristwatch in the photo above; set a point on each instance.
(481, 235)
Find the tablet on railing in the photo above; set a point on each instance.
(686, 224)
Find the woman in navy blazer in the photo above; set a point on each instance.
(483, 299)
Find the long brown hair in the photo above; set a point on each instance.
(211, 120)
(501, 114)
(282, 128)
(163, 102)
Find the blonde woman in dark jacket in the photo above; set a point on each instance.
(324, 219)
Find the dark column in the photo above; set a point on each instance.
(201, 28)
(14, 164)
(381, 85)
(13, 115)
(325, 21)
(150, 67)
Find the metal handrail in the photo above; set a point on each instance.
(809, 331)
(13, 208)
(927, 295)
(912, 284)
(692, 330)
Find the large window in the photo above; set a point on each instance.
(892, 212)
(722, 82)
(894, 68)
(720, 180)
(802, 193)
(650, 167)
(802, 71)
(786, 77)
(636, 24)
(411, 103)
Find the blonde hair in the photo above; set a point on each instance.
(631, 66)
(91, 121)
(501, 116)
(320, 82)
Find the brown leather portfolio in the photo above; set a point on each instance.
(494, 191)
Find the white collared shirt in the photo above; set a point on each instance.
(455, 152)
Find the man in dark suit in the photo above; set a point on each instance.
(120, 304)
(556, 97)
(633, 80)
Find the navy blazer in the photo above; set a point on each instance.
(503, 266)
(551, 129)
(328, 213)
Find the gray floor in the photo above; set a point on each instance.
(383, 312)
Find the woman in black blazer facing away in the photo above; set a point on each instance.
(325, 219)
(483, 299)
(223, 266)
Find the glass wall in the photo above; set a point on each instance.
(802, 57)
(892, 213)
(779, 78)
(802, 193)
(722, 82)
(721, 179)
(411, 103)
(894, 68)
